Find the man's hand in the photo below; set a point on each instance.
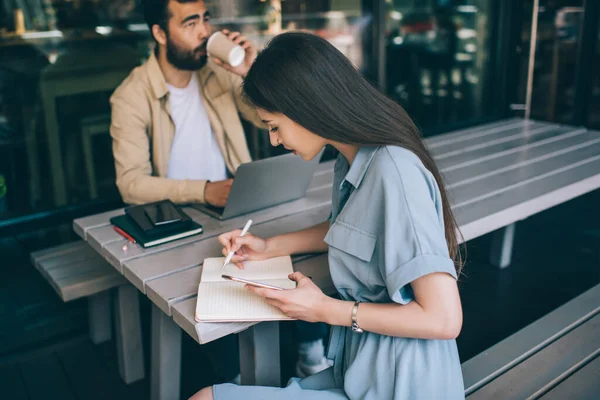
(248, 47)
(216, 193)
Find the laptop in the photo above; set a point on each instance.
(265, 183)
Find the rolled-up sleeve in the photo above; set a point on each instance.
(413, 239)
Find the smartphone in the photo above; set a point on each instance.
(162, 213)
(253, 283)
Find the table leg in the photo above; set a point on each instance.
(502, 245)
(99, 317)
(166, 357)
(260, 362)
(130, 352)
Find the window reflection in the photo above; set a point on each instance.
(553, 90)
(438, 59)
(593, 118)
(61, 59)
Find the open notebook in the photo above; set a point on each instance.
(221, 300)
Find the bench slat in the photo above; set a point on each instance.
(66, 248)
(491, 140)
(501, 209)
(511, 160)
(75, 270)
(96, 280)
(546, 366)
(479, 156)
(521, 145)
(474, 131)
(84, 279)
(62, 259)
(582, 385)
(503, 356)
(470, 193)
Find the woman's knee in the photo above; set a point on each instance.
(204, 394)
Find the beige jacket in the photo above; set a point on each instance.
(142, 131)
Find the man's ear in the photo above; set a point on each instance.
(159, 34)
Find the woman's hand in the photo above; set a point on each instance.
(306, 302)
(246, 248)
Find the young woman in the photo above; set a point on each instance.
(391, 236)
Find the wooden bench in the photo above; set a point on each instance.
(555, 357)
(76, 271)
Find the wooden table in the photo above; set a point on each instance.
(497, 174)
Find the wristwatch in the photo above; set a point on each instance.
(355, 327)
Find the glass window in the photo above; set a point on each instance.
(553, 88)
(60, 60)
(339, 21)
(438, 59)
(593, 118)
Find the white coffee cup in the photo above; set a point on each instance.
(221, 47)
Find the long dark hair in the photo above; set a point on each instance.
(305, 78)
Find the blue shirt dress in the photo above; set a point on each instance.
(387, 229)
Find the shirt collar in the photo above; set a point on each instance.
(157, 79)
(361, 163)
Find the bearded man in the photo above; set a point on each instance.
(175, 122)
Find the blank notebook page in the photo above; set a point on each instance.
(222, 300)
(230, 301)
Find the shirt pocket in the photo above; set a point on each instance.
(351, 240)
(353, 248)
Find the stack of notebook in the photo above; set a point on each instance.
(156, 223)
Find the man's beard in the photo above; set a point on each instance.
(185, 59)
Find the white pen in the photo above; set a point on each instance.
(231, 253)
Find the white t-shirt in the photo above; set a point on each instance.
(195, 153)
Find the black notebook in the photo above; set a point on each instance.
(173, 218)
(157, 235)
